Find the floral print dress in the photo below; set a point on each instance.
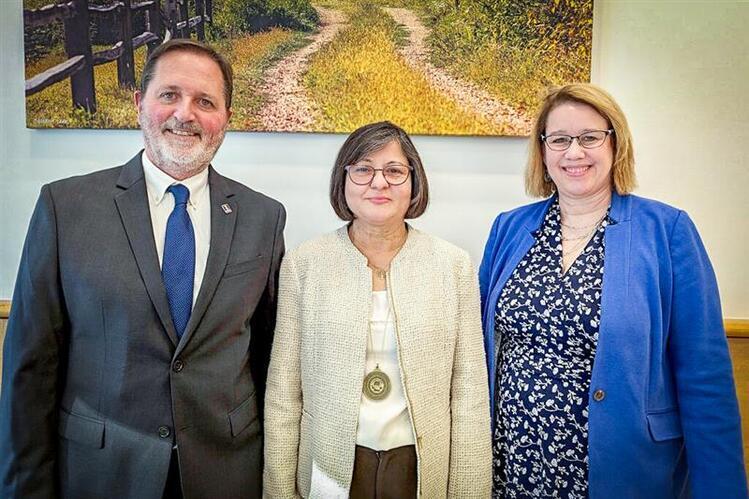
(546, 323)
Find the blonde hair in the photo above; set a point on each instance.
(537, 182)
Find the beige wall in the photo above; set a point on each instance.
(679, 70)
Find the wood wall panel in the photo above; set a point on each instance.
(3, 325)
(4, 312)
(740, 358)
(737, 328)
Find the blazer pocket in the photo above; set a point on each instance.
(243, 267)
(241, 417)
(665, 425)
(84, 430)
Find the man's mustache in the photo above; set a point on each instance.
(177, 125)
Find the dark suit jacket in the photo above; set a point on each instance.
(96, 387)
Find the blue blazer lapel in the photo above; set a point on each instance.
(132, 204)
(614, 294)
(617, 242)
(522, 243)
(222, 232)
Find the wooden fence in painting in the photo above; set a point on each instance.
(161, 16)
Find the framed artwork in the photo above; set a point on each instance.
(434, 67)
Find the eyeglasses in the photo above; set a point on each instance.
(587, 140)
(394, 174)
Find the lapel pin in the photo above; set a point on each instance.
(226, 208)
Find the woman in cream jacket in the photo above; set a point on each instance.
(376, 386)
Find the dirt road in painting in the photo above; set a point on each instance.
(287, 107)
(467, 95)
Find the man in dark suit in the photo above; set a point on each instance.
(137, 347)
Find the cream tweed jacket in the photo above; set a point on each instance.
(318, 362)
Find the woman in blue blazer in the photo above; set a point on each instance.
(609, 370)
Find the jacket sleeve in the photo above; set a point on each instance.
(701, 364)
(283, 401)
(263, 320)
(470, 446)
(33, 365)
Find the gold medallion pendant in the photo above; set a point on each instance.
(376, 385)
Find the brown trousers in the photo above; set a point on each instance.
(389, 474)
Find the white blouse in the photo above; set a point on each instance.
(384, 424)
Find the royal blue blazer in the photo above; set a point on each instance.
(668, 424)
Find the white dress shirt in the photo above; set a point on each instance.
(384, 424)
(161, 204)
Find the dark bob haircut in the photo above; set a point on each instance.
(194, 47)
(366, 140)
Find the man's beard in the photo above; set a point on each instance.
(179, 162)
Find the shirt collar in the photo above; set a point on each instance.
(157, 181)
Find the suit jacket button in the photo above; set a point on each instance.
(178, 366)
(164, 431)
(599, 395)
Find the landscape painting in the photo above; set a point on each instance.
(434, 67)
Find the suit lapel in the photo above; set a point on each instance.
(132, 204)
(222, 231)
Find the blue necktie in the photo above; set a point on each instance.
(178, 264)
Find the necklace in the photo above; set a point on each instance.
(377, 383)
(587, 234)
(574, 238)
(581, 227)
(377, 271)
(572, 253)
(577, 246)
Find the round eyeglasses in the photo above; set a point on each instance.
(394, 174)
(588, 140)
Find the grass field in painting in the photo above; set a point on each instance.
(481, 71)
